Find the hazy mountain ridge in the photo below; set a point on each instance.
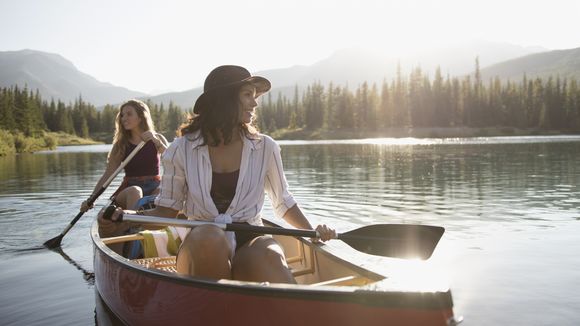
(357, 65)
(58, 78)
(285, 76)
(557, 63)
(353, 66)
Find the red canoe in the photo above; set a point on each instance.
(330, 291)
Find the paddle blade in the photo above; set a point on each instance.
(395, 240)
(54, 242)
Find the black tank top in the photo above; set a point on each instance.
(223, 189)
(145, 163)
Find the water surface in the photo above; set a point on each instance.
(510, 206)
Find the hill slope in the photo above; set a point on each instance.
(55, 77)
(563, 63)
(354, 66)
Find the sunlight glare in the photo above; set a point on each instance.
(419, 275)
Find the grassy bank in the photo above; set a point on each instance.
(64, 139)
(302, 134)
(16, 142)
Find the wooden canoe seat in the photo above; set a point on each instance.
(162, 263)
(168, 264)
(122, 238)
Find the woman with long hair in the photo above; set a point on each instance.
(133, 124)
(219, 170)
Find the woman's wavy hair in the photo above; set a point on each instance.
(218, 117)
(122, 136)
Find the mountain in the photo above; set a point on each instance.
(286, 76)
(55, 77)
(357, 65)
(184, 99)
(562, 63)
(353, 66)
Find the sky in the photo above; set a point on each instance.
(169, 45)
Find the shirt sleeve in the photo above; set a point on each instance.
(276, 185)
(173, 187)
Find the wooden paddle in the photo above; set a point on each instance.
(387, 240)
(55, 242)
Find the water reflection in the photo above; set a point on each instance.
(482, 182)
(59, 171)
(103, 314)
(89, 277)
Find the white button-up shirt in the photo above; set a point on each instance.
(187, 178)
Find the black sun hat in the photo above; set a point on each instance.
(229, 76)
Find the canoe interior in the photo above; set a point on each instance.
(313, 266)
(310, 264)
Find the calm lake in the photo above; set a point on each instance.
(510, 207)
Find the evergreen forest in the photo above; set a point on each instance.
(413, 101)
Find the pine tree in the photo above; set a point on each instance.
(329, 109)
(175, 117)
(373, 108)
(572, 106)
(65, 121)
(400, 108)
(346, 107)
(50, 117)
(7, 120)
(297, 109)
(384, 115)
(441, 108)
(417, 110)
(22, 111)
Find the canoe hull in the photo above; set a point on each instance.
(140, 296)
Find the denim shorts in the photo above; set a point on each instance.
(147, 185)
(147, 202)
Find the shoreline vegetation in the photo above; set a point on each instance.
(16, 142)
(432, 132)
(11, 143)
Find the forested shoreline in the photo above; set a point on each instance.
(404, 103)
(417, 101)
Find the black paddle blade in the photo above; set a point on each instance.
(54, 242)
(395, 240)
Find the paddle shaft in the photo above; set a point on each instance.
(387, 240)
(224, 226)
(121, 167)
(55, 242)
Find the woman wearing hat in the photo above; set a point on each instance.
(218, 171)
(133, 124)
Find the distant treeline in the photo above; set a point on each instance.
(24, 111)
(417, 101)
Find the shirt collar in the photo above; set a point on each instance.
(196, 140)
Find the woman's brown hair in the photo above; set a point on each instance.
(218, 117)
(122, 136)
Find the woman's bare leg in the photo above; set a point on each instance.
(205, 252)
(261, 260)
(129, 197)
